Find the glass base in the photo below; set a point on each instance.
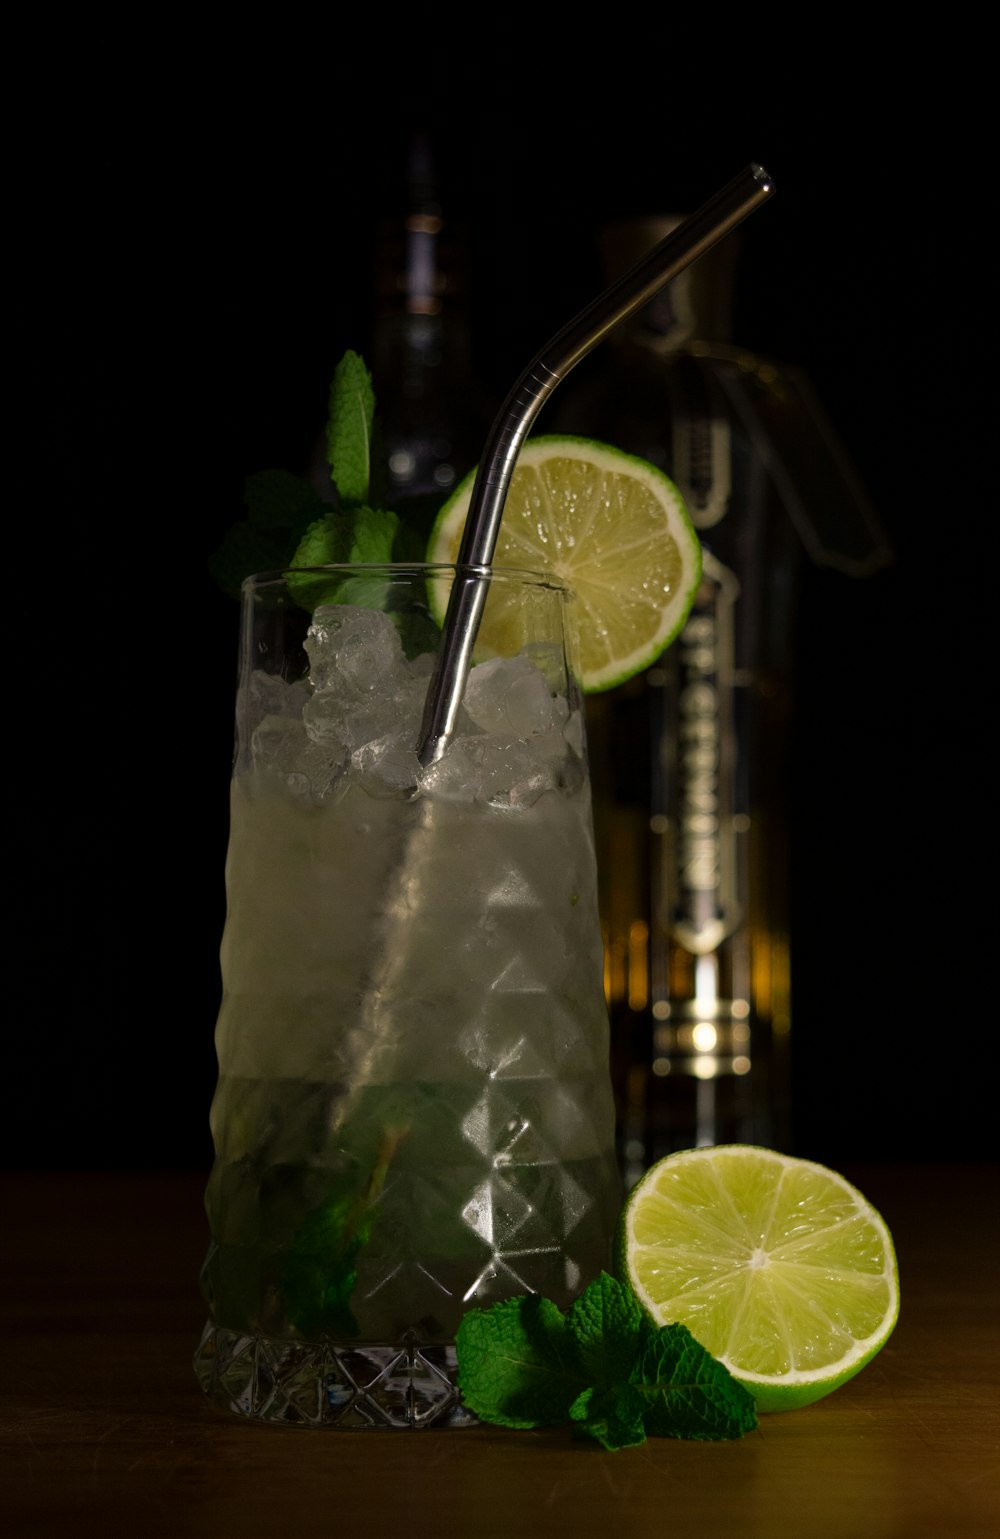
(316, 1384)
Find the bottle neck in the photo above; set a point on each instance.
(420, 346)
(420, 304)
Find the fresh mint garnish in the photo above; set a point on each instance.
(352, 531)
(686, 1391)
(289, 524)
(365, 535)
(517, 1364)
(277, 501)
(604, 1367)
(280, 507)
(349, 430)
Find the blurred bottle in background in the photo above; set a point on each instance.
(431, 413)
(690, 759)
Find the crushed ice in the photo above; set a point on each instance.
(357, 718)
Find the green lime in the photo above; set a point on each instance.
(612, 527)
(778, 1266)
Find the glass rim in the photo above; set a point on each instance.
(256, 581)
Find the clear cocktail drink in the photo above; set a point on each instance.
(414, 1113)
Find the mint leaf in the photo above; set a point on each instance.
(516, 1363)
(325, 542)
(688, 1393)
(349, 430)
(609, 1327)
(607, 1323)
(362, 535)
(321, 1268)
(275, 499)
(242, 551)
(615, 1419)
(320, 1271)
(279, 507)
(372, 535)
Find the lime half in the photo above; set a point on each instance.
(778, 1266)
(613, 528)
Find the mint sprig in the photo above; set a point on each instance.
(362, 536)
(352, 532)
(604, 1367)
(289, 524)
(280, 507)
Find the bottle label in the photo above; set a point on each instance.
(701, 445)
(702, 466)
(702, 888)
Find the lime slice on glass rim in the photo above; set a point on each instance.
(777, 1265)
(609, 525)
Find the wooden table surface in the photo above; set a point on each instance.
(105, 1430)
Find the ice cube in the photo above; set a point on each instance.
(562, 754)
(329, 719)
(336, 719)
(271, 695)
(387, 765)
(503, 771)
(319, 779)
(353, 650)
(510, 695)
(550, 660)
(278, 743)
(311, 772)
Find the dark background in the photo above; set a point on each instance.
(192, 259)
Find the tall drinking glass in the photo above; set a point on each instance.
(414, 1114)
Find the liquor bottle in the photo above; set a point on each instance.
(689, 759)
(432, 414)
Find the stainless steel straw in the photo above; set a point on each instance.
(690, 240)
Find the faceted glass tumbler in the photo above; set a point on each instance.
(414, 1114)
